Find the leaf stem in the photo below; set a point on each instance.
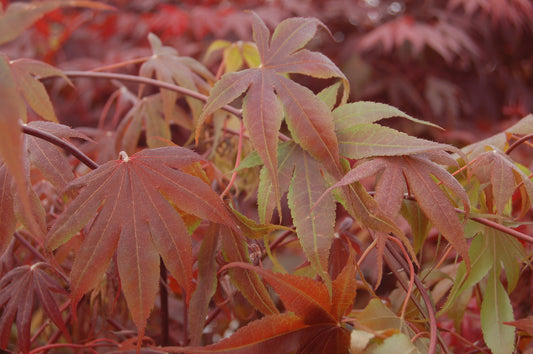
(65, 145)
(152, 82)
(518, 142)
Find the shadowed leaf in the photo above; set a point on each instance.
(18, 291)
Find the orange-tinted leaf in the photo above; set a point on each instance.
(27, 73)
(307, 298)
(137, 196)
(19, 16)
(206, 286)
(284, 332)
(12, 112)
(344, 288)
(267, 90)
(18, 290)
(248, 282)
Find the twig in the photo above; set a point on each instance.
(152, 82)
(65, 145)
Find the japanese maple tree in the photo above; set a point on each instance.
(222, 195)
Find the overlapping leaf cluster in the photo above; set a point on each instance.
(156, 206)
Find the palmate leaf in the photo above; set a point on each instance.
(135, 199)
(417, 172)
(18, 291)
(270, 96)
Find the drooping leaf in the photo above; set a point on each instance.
(18, 16)
(286, 332)
(495, 310)
(489, 251)
(137, 197)
(248, 282)
(183, 71)
(268, 93)
(206, 285)
(307, 298)
(18, 291)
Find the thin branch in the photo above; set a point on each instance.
(152, 82)
(394, 262)
(518, 142)
(65, 145)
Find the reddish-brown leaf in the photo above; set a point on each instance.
(344, 288)
(9, 221)
(524, 324)
(269, 93)
(307, 298)
(284, 332)
(136, 198)
(12, 112)
(206, 285)
(248, 282)
(18, 290)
